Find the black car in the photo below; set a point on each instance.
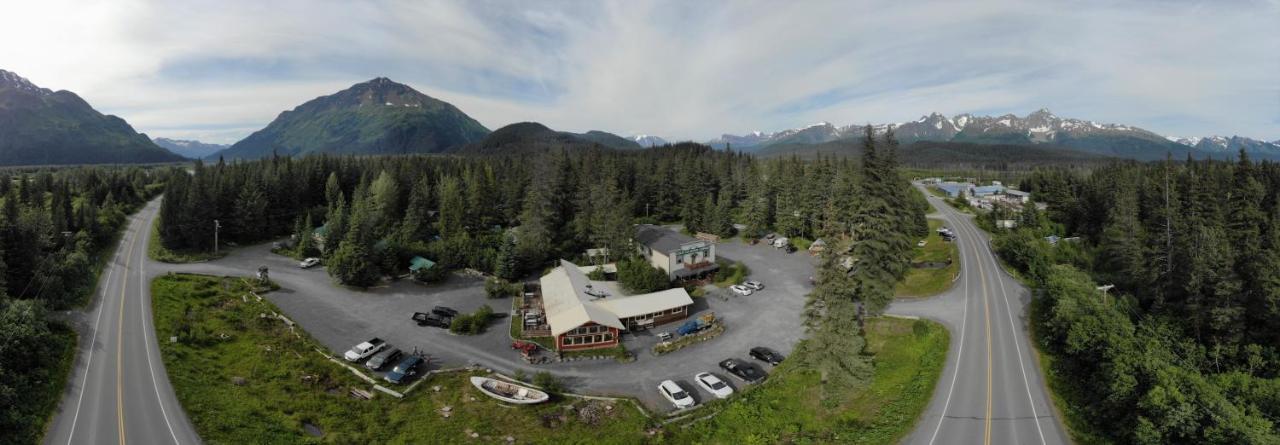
(446, 312)
(431, 319)
(766, 355)
(406, 367)
(747, 372)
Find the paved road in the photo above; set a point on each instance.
(119, 391)
(991, 390)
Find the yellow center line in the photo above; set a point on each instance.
(124, 281)
(986, 309)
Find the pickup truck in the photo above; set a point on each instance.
(431, 319)
(364, 350)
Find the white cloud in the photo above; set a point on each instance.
(683, 70)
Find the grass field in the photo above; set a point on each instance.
(157, 251)
(287, 384)
(909, 356)
(925, 282)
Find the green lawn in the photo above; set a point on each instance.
(731, 273)
(157, 251)
(286, 383)
(925, 282)
(909, 356)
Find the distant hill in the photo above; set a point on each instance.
(374, 117)
(40, 126)
(189, 148)
(647, 140)
(525, 136)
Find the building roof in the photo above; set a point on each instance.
(568, 306)
(660, 239)
(321, 231)
(647, 303)
(954, 188)
(420, 263)
(1016, 192)
(988, 189)
(570, 300)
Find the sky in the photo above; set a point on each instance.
(218, 70)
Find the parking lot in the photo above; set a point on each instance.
(339, 318)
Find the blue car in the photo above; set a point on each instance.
(406, 367)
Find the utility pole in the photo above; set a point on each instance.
(216, 226)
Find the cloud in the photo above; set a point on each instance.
(218, 70)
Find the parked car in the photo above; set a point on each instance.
(747, 372)
(309, 263)
(790, 248)
(713, 385)
(431, 319)
(381, 359)
(444, 311)
(407, 367)
(766, 355)
(676, 395)
(741, 290)
(754, 285)
(366, 349)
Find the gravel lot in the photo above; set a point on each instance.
(339, 318)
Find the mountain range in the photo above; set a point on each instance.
(40, 126)
(189, 148)
(526, 136)
(1041, 127)
(647, 141)
(374, 117)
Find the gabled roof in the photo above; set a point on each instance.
(648, 303)
(568, 306)
(420, 263)
(567, 298)
(660, 239)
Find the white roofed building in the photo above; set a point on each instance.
(585, 314)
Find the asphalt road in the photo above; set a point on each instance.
(118, 390)
(991, 390)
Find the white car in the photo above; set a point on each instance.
(365, 349)
(741, 290)
(676, 395)
(713, 385)
(309, 263)
(754, 285)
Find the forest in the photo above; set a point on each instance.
(1183, 349)
(510, 215)
(56, 230)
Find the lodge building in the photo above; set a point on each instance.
(585, 314)
(679, 255)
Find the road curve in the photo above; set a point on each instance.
(991, 390)
(118, 390)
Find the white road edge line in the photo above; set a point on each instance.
(964, 320)
(1012, 330)
(88, 365)
(146, 342)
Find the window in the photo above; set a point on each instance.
(608, 337)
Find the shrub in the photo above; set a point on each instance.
(548, 382)
(473, 323)
(500, 288)
(638, 276)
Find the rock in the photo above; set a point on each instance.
(510, 439)
(447, 408)
(435, 388)
(475, 435)
(238, 381)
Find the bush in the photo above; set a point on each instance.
(548, 382)
(473, 323)
(636, 275)
(500, 288)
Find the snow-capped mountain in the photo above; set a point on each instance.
(1230, 145)
(648, 140)
(1038, 127)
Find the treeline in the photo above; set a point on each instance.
(872, 220)
(509, 215)
(1184, 348)
(55, 227)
